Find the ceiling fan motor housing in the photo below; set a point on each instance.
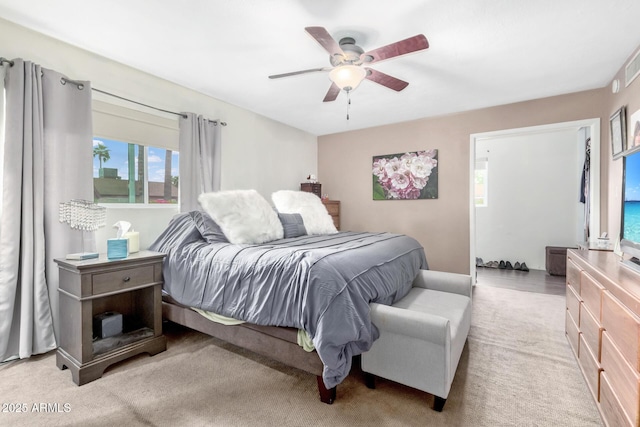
(351, 51)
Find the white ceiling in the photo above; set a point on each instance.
(482, 52)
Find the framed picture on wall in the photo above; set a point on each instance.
(406, 176)
(618, 132)
(634, 131)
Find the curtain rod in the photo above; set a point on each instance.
(139, 103)
(80, 86)
(215, 122)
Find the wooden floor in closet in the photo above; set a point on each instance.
(538, 281)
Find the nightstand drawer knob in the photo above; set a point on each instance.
(126, 279)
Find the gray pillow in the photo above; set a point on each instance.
(292, 224)
(208, 228)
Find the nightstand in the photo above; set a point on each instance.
(333, 208)
(131, 287)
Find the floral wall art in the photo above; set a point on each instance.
(406, 176)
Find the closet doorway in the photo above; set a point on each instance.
(533, 181)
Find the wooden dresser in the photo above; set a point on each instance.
(333, 207)
(603, 329)
(312, 187)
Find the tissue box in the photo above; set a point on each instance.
(107, 324)
(117, 248)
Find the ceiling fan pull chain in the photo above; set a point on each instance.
(348, 103)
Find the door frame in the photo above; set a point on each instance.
(594, 168)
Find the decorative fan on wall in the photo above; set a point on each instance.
(349, 62)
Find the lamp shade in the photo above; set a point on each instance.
(82, 215)
(347, 77)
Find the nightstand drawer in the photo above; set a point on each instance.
(122, 279)
(333, 208)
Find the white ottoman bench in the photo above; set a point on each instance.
(422, 336)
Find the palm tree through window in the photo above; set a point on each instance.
(130, 173)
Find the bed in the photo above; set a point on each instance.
(315, 286)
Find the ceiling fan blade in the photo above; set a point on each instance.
(323, 37)
(332, 94)
(412, 44)
(295, 73)
(385, 80)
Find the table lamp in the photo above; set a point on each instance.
(85, 216)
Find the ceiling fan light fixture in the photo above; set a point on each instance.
(347, 77)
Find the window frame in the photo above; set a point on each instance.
(116, 122)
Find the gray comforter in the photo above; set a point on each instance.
(322, 284)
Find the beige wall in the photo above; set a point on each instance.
(442, 225)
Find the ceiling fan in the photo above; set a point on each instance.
(349, 62)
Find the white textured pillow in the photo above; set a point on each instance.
(243, 215)
(314, 214)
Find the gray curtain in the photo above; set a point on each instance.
(200, 148)
(47, 159)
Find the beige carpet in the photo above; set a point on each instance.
(516, 370)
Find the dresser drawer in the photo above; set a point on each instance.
(623, 328)
(591, 330)
(573, 334)
(590, 368)
(573, 303)
(122, 279)
(333, 207)
(591, 294)
(573, 274)
(315, 188)
(610, 405)
(624, 379)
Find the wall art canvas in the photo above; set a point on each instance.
(618, 132)
(634, 131)
(406, 176)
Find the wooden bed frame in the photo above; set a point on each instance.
(278, 343)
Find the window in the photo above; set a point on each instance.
(132, 173)
(135, 157)
(481, 182)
